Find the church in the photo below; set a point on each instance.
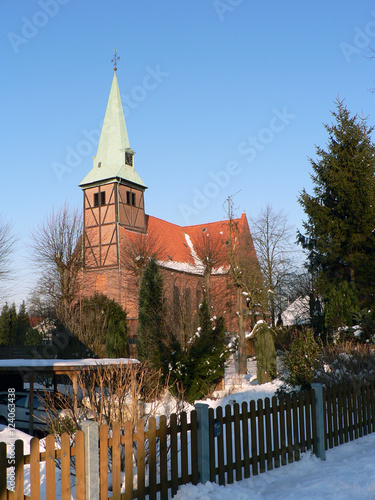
(120, 238)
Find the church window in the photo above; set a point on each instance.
(130, 198)
(96, 198)
(176, 304)
(188, 302)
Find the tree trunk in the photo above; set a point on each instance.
(242, 357)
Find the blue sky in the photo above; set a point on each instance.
(221, 97)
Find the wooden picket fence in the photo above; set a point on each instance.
(168, 453)
(254, 438)
(154, 461)
(20, 462)
(349, 412)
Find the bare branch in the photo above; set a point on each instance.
(57, 255)
(272, 239)
(7, 242)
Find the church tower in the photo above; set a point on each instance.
(113, 192)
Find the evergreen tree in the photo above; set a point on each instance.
(102, 320)
(340, 305)
(15, 328)
(200, 367)
(33, 337)
(8, 325)
(23, 326)
(339, 232)
(116, 339)
(153, 341)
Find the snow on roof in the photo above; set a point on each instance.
(197, 260)
(181, 266)
(62, 363)
(297, 313)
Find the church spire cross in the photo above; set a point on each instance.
(115, 59)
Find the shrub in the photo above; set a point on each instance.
(284, 337)
(345, 363)
(300, 360)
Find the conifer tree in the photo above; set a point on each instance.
(152, 342)
(116, 339)
(205, 360)
(340, 305)
(90, 322)
(339, 232)
(23, 327)
(8, 325)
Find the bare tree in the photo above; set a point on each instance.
(57, 255)
(247, 279)
(106, 394)
(272, 239)
(211, 252)
(137, 251)
(7, 243)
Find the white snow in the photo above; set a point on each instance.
(64, 362)
(297, 313)
(347, 474)
(197, 260)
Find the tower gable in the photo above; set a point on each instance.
(131, 207)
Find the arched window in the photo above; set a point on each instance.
(100, 284)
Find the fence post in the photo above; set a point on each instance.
(319, 416)
(203, 438)
(91, 432)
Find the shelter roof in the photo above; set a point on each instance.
(58, 366)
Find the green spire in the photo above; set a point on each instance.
(109, 162)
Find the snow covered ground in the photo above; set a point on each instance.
(347, 474)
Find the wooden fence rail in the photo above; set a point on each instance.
(254, 438)
(349, 412)
(161, 458)
(153, 461)
(17, 467)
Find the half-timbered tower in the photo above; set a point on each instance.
(113, 193)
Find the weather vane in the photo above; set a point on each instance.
(115, 59)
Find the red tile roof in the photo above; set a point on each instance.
(175, 247)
